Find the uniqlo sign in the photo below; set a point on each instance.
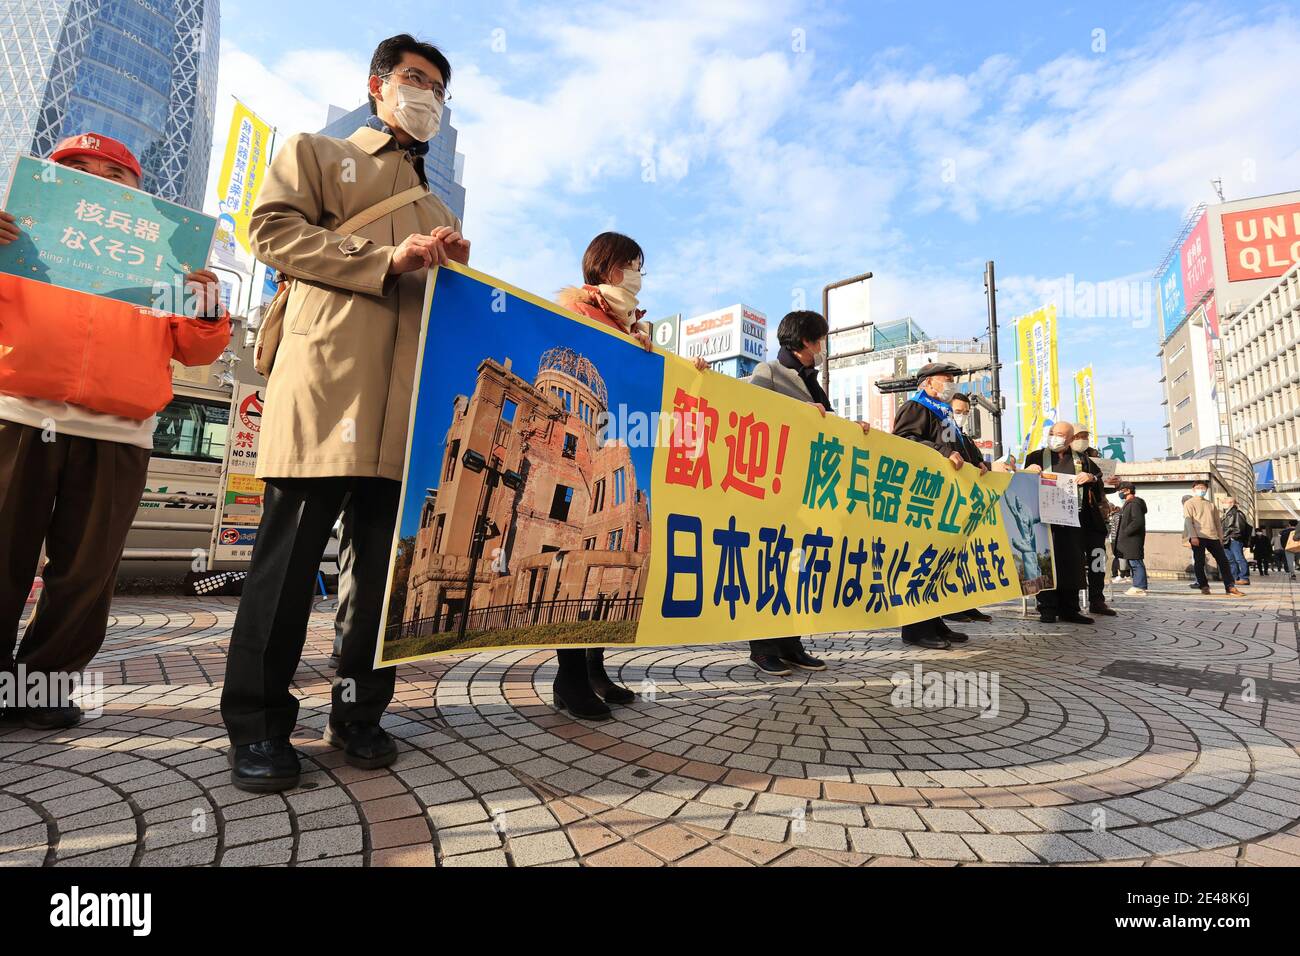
(1261, 243)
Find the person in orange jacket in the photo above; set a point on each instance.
(81, 380)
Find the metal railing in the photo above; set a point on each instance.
(506, 616)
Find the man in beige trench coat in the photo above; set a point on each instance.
(337, 407)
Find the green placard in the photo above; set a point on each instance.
(94, 235)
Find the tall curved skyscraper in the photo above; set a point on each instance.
(142, 71)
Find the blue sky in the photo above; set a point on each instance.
(759, 149)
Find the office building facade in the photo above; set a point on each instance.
(1262, 368)
(140, 71)
(1225, 257)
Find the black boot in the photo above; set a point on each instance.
(572, 687)
(605, 688)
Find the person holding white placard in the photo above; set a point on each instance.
(1062, 603)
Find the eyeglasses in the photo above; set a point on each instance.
(413, 77)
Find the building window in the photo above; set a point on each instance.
(598, 497)
(1185, 429)
(508, 409)
(560, 503)
(1174, 358)
(616, 540)
(437, 532)
(1184, 403)
(570, 445)
(588, 544)
(453, 452)
(1181, 377)
(620, 486)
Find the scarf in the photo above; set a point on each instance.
(944, 412)
(623, 304)
(808, 373)
(417, 150)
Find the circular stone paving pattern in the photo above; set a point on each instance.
(1045, 761)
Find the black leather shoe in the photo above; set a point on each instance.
(980, 616)
(365, 746)
(954, 637)
(601, 685)
(48, 718)
(937, 642)
(1103, 610)
(960, 617)
(1077, 619)
(804, 661)
(771, 664)
(1046, 618)
(264, 767)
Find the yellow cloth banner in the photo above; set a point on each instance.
(1085, 403)
(1038, 379)
(618, 497)
(242, 171)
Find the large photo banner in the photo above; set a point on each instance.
(564, 487)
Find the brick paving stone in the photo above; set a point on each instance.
(540, 848)
(740, 769)
(941, 846)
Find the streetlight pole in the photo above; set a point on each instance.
(991, 293)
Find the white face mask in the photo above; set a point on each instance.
(1055, 442)
(946, 391)
(417, 112)
(631, 280)
(962, 420)
(1080, 445)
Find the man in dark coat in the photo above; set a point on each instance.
(1131, 536)
(927, 418)
(802, 336)
(1092, 523)
(1062, 602)
(961, 413)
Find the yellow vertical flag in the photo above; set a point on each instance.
(1038, 380)
(1085, 401)
(242, 172)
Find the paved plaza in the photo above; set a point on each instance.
(1165, 736)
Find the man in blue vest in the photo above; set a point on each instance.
(927, 418)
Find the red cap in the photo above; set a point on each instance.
(93, 144)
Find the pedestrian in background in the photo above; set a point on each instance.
(1237, 532)
(1203, 530)
(82, 379)
(794, 374)
(927, 419)
(338, 401)
(1130, 537)
(1288, 556)
(1261, 549)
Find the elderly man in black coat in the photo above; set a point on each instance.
(1062, 602)
(927, 418)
